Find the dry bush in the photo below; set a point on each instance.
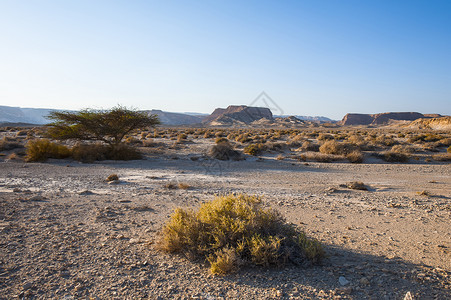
(255, 149)
(6, 144)
(133, 141)
(224, 151)
(112, 177)
(384, 140)
(338, 148)
(42, 149)
(449, 149)
(407, 149)
(272, 146)
(356, 185)
(390, 156)
(309, 146)
(221, 140)
(89, 152)
(320, 157)
(22, 133)
(296, 140)
(183, 186)
(231, 231)
(98, 151)
(355, 157)
(243, 138)
(325, 137)
(442, 157)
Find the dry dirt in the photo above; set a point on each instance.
(65, 233)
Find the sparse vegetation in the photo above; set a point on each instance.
(42, 149)
(356, 185)
(231, 231)
(224, 151)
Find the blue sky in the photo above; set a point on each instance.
(311, 57)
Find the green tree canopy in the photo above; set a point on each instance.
(109, 126)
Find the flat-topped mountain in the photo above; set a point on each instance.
(382, 118)
(238, 115)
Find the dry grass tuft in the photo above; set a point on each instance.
(112, 177)
(356, 185)
(231, 231)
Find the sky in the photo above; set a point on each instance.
(312, 58)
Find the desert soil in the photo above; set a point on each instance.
(65, 233)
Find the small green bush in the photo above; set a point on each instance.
(231, 231)
(42, 149)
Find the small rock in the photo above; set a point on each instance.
(364, 281)
(343, 281)
(86, 192)
(37, 198)
(27, 285)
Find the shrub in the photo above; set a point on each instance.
(334, 147)
(224, 151)
(112, 177)
(6, 144)
(320, 157)
(325, 137)
(449, 149)
(442, 157)
(254, 149)
(220, 140)
(42, 149)
(355, 157)
(390, 156)
(403, 149)
(237, 230)
(309, 146)
(356, 185)
(89, 152)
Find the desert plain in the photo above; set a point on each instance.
(68, 233)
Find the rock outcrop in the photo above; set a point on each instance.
(443, 123)
(238, 115)
(381, 119)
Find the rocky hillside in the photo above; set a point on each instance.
(170, 118)
(443, 123)
(238, 115)
(380, 119)
(9, 114)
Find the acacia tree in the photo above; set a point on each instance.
(109, 126)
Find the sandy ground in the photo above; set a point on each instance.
(65, 233)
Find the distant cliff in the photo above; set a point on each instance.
(238, 115)
(381, 119)
(9, 114)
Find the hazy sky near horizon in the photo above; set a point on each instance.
(311, 57)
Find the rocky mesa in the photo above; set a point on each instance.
(238, 115)
(381, 118)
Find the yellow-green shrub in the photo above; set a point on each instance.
(43, 149)
(234, 230)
